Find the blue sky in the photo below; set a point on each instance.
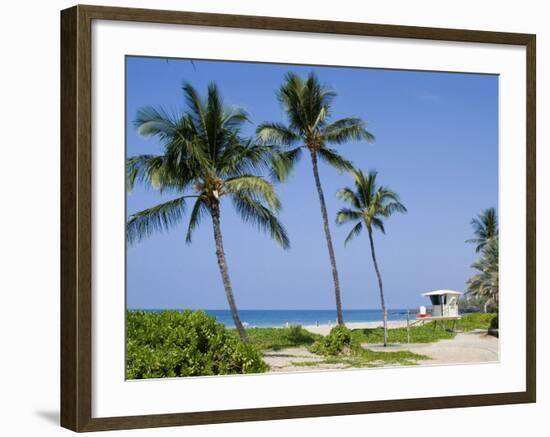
(436, 145)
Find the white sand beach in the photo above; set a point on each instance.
(465, 347)
(325, 329)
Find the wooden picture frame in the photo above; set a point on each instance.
(76, 217)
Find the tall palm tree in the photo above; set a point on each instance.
(370, 205)
(484, 284)
(205, 158)
(485, 228)
(307, 105)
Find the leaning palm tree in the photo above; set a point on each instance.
(485, 228)
(484, 284)
(308, 108)
(370, 204)
(206, 159)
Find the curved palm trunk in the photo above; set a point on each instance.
(335, 279)
(222, 264)
(382, 302)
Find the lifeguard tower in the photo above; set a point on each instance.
(444, 307)
(444, 302)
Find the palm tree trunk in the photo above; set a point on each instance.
(222, 264)
(335, 279)
(382, 302)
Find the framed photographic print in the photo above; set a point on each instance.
(268, 218)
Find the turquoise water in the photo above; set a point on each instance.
(276, 318)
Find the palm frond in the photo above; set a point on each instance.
(485, 284)
(252, 211)
(276, 133)
(244, 156)
(347, 215)
(152, 121)
(282, 163)
(291, 96)
(317, 101)
(391, 208)
(348, 195)
(485, 228)
(199, 209)
(153, 171)
(355, 231)
(378, 224)
(255, 187)
(158, 218)
(233, 118)
(334, 159)
(365, 185)
(142, 169)
(196, 112)
(346, 129)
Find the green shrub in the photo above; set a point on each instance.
(337, 342)
(494, 323)
(279, 338)
(186, 343)
(296, 334)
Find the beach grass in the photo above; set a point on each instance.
(367, 358)
(280, 338)
(428, 333)
(475, 321)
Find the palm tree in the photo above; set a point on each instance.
(308, 108)
(485, 228)
(205, 158)
(484, 284)
(370, 205)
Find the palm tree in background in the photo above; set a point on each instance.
(484, 284)
(485, 228)
(307, 105)
(370, 205)
(205, 159)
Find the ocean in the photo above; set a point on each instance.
(277, 318)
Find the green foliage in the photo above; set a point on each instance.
(343, 346)
(418, 334)
(279, 338)
(368, 358)
(428, 333)
(369, 204)
(485, 283)
(188, 343)
(338, 341)
(205, 157)
(485, 228)
(473, 304)
(475, 321)
(308, 107)
(494, 323)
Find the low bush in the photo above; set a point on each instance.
(338, 341)
(341, 346)
(185, 343)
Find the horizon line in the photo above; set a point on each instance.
(269, 309)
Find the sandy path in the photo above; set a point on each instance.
(466, 347)
(281, 360)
